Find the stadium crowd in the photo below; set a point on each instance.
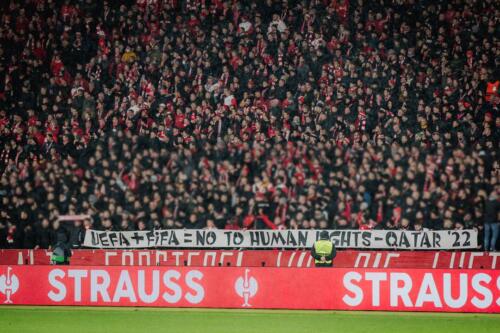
(248, 114)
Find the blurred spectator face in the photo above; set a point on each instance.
(106, 223)
(87, 224)
(211, 224)
(447, 224)
(141, 225)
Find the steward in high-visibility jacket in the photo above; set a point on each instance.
(323, 251)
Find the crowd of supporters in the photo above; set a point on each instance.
(346, 114)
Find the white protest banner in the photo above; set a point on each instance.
(283, 239)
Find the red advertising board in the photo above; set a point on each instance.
(257, 287)
(259, 258)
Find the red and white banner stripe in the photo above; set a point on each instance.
(258, 258)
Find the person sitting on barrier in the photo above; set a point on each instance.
(62, 252)
(323, 251)
(60, 256)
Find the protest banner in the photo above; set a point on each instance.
(284, 239)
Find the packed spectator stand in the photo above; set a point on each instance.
(152, 114)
